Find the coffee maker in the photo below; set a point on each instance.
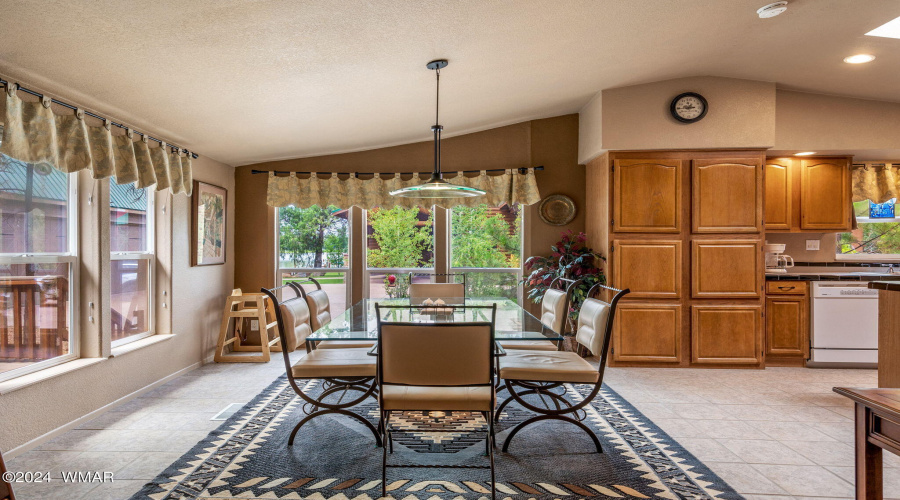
(776, 261)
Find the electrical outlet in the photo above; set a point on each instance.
(812, 245)
(254, 324)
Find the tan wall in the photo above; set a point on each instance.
(196, 300)
(590, 129)
(795, 245)
(741, 115)
(551, 142)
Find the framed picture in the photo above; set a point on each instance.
(208, 211)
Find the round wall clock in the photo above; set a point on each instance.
(689, 107)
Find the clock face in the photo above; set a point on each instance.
(689, 107)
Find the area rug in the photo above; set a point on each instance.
(247, 457)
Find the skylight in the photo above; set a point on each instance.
(891, 29)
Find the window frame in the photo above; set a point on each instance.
(148, 255)
(70, 257)
(868, 257)
(367, 273)
(498, 270)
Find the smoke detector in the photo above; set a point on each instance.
(772, 10)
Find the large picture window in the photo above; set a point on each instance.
(132, 251)
(485, 244)
(315, 242)
(877, 236)
(38, 260)
(399, 241)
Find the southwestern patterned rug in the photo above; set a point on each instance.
(247, 457)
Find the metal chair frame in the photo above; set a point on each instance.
(364, 385)
(384, 424)
(435, 275)
(562, 406)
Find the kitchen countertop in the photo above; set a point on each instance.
(836, 276)
(893, 286)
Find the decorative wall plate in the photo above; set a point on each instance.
(557, 210)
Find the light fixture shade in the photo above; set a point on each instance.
(437, 188)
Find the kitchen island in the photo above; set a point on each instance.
(888, 332)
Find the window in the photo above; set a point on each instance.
(877, 236)
(38, 260)
(399, 241)
(485, 244)
(315, 242)
(131, 263)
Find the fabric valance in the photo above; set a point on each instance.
(510, 187)
(877, 181)
(33, 133)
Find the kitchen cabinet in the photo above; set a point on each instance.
(787, 322)
(779, 213)
(726, 196)
(825, 194)
(726, 269)
(650, 269)
(646, 196)
(647, 332)
(726, 334)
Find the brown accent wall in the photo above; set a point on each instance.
(551, 142)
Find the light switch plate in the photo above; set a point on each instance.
(812, 245)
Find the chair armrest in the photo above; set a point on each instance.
(373, 351)
(499, 351)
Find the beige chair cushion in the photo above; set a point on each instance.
(545, 366)
(592, 324)
(436, 355)
(553, 309)
(531, 345)
(398, 397)
(323, 363)
(435, 291)
(345, 344)
(319, 309)
(295, 316)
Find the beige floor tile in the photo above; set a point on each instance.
(116, 490)
(790, 431)
(806, 480)
(745, 479)
(147, 466)
(725, 429)
(764, 452)
(708, 450)
(824, 453)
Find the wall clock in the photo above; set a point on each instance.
(689, 107)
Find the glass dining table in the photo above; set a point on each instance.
(358, 323)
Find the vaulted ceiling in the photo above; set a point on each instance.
(251, 81)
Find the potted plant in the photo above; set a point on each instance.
(571, 258)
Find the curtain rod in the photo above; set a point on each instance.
(75, 108)
(875, 164)
(521, 170)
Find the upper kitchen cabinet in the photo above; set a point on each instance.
(727, 195)
(646, 196)
(825, 194)
(779, 213)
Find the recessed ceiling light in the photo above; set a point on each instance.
(805, 153)
(772, 10)
(891, 29)
(859, 59)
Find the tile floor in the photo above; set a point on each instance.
(772, 434)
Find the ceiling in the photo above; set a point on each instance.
(258, 80)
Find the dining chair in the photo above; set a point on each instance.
(554, 306)
(421, 291)
(528, 373)
(320, 315)
(435, 367)
(341, 370)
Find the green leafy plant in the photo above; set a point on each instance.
(571, 258)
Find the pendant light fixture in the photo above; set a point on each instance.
(437, 187)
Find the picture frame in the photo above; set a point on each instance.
(209, 223)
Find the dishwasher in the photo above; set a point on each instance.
(844, 324)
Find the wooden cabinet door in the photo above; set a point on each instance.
(726, 196)
(649, 268)
(646, 196)
(647, 332)
(726, 269)
(825, 194)
(787, 333)
(726, 334)
(779, 198)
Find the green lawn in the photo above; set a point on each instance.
(327, 279)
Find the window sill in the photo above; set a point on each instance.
(39, 376)
(139, 344)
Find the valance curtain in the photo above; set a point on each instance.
(33, 133)
(510, 187)
(877, 181)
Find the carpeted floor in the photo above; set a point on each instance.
(335, 457)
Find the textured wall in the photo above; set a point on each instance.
(590, 130)
(197, 297)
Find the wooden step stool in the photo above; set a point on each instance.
(260, 309)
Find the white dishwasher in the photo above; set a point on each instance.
(844, 324)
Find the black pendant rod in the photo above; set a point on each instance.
(521, 170)
(88, 113)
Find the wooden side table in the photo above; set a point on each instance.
(877, 428)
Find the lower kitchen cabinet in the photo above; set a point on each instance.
(647, 332)
(726, 334)
(787, 322)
